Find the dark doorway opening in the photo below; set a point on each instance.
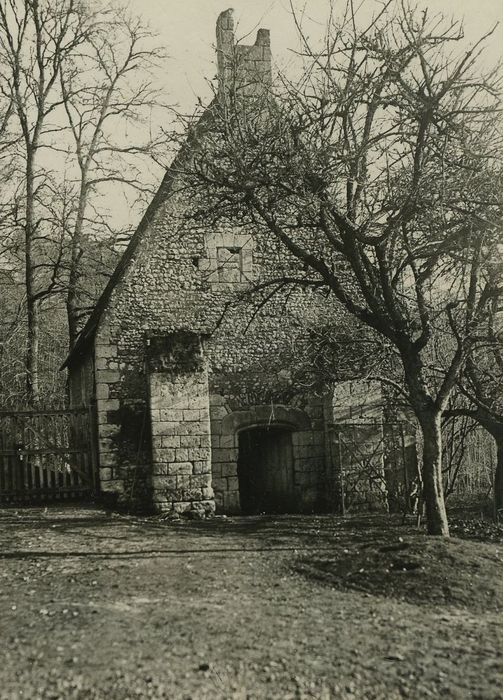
(265, 471)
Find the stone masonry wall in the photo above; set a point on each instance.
(180, 425)
(250, 352)
(182, 277)
(243, 68)
(369, 453)
(308, 437)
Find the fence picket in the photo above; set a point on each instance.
(45, 455)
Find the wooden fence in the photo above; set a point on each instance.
(46, 455)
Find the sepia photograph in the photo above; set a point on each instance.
(251, 350)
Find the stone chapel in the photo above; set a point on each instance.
(195, 401)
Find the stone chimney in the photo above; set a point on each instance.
(240, 67)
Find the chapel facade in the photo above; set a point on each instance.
(194, 384)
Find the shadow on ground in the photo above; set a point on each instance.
(103, 606)
(374, 554)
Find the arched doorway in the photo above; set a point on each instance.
(265, 470)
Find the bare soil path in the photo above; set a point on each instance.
(101, 606)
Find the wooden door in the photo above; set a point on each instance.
(265, 471)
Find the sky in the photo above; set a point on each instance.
(186, 28)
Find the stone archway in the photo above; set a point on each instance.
(269, 431)
(281, 434)
(266, 415)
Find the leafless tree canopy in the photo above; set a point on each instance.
(379, 169)
(77, 94)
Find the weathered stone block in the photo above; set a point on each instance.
(205, 441)
(223, 455)
(108, 376)
(228, 441)
(182, 507)
(104, 350)
(188, 494)
(102, 391)
(196, 403)
(106, 445)
(105, 473)
(163, 454)
(198, 453)
(216, 427)
(107, 405)
(229, 469)
(165, 428)
(204, 507)
(164, 483)
(180, 468)
(109, 430)
(111, 486)
(109, 459)
(104, 363)
(171, 415)
(218, 412)
(160, 469)
(191, 414)
(219, 484)
(189, 441)
(181, 454)
(170, 440)
(217, 400)
(200, 481)
(202, 467)
(159, 498)
(232, 483)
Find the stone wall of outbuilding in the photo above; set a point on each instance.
(188, 277)
(308, 442)
(180, 425)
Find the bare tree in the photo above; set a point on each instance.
(371, 174)
(35, 37)
(480, 395)
(79, 95)
(8, 138)
(458, 432)
(108, 95)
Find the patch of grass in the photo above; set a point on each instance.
(418, 569)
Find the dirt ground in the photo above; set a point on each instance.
(95, 605)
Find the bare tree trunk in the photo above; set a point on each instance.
(33, 324)
(436, 515)
(32, 376)
(72, 309)
(430, 420)
(72, 295)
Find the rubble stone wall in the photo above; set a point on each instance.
(191, 276)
